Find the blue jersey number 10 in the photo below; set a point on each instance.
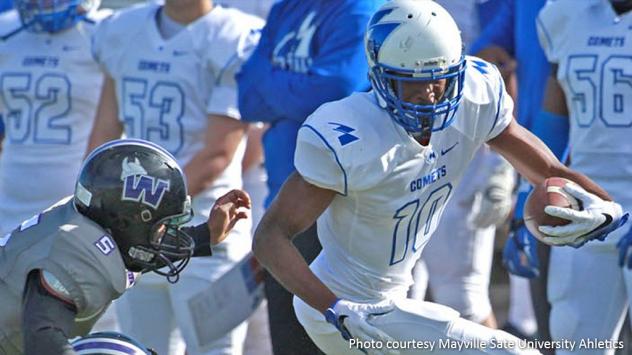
(410, 218)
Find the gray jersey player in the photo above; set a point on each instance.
(60, 269)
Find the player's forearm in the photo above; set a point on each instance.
(204, 169)
(583, 180)
(202, 238)
(274, 250)
(515, 143)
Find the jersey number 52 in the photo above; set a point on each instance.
(36, 107)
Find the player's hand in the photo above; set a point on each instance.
(493, 205)
(226, 211)
(520, 255)
(350, 319)
(595, 220)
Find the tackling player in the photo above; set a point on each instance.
(62, 267)
(377, 169)
(170, 80)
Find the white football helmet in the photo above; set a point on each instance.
(415, 40)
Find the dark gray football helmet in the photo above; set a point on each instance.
(136, 191)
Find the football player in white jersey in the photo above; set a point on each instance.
(589, 45)
(170, 79)
(49, 90)
(467, 230)
(376, 170)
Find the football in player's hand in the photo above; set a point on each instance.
(550, 192)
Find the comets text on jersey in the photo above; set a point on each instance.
(41, 61)
(600, 41)
(428, 179)
(157, 67)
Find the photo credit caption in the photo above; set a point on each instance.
(430, 345)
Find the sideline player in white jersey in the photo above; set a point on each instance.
(377, 168)
(589, 46)
(49, 90)
(170, 79)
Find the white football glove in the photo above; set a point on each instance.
(492, 205)
(351, 320)
(596, 219)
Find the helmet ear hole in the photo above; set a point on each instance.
(145, 215)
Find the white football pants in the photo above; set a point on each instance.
(415, 325)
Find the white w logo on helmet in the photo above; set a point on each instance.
(138, 186)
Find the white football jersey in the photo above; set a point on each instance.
(49, 90)
(592, 46)
(392, 191)
(166, 88)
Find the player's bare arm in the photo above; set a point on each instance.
(106, 125)
(223, 136)
(297, 207)
(535, 161)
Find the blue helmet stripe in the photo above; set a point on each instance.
(380, 15)
(377, 36)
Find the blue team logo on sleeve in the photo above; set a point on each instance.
(140, 187)
(481, 66)
(346, 136)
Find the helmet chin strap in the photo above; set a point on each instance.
(16, 31)
(27, 25)
(424, 136)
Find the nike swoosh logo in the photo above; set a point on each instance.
(446, 151)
